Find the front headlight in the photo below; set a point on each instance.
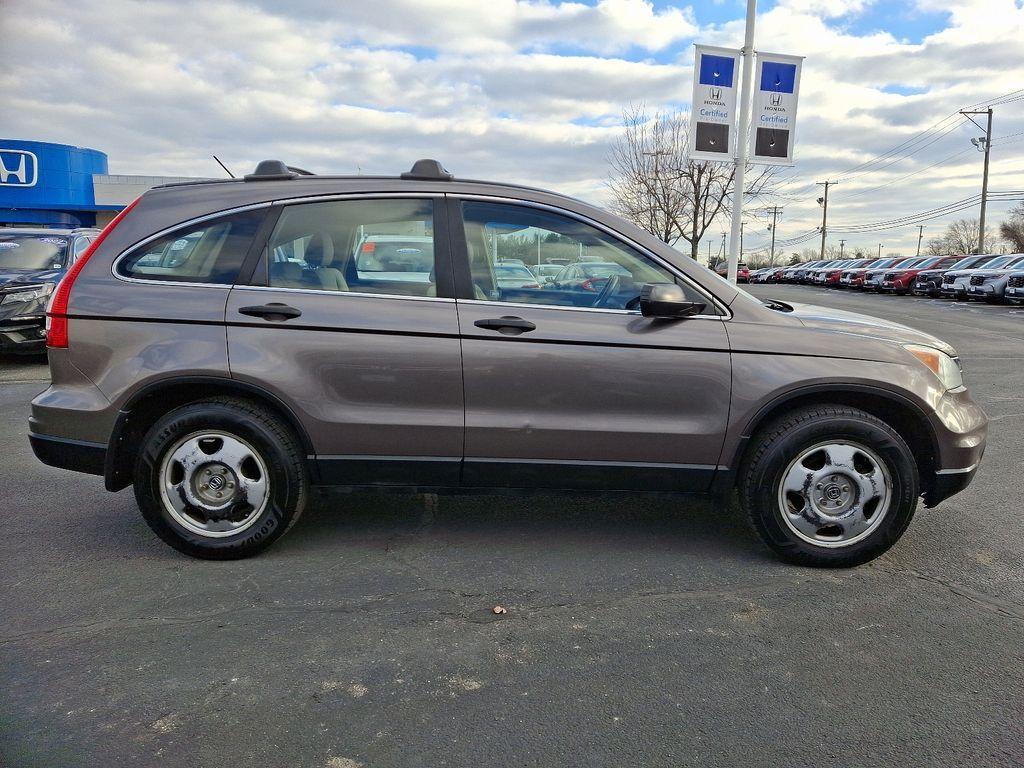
(35, 292)
(942, 365)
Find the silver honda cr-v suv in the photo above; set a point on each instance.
(223, 346)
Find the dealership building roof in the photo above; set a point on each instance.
(44, 184)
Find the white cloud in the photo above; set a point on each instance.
(525, 90)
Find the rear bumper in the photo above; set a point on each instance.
(76, 455)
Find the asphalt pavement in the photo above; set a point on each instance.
(639, 630)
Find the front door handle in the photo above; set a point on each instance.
(273, 312)
(508, 325)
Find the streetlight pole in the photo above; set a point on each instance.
(774, 211)
(741, 140)
(987, 142)
(880, 247)
(842, 247)
(824, 215)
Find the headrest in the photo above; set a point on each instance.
(320, 251)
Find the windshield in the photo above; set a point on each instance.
(396, 256)
(503, 270)
(970, 261)
(1002, 261)
(603, 270)
(32, 252)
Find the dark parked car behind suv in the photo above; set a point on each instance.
(223, 346)
(32, 262)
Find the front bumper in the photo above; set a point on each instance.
(948, 483)
(983, 291)
(1015, 293)
(892, 285)
(23, 333)
(960, 427)
(925, 287)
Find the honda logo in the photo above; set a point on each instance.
(715, 93)
(776, 99)
(18, 168)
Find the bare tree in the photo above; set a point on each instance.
(1012, 230)
(960, 237)
(655, 186)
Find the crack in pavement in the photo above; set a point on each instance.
(525, 610)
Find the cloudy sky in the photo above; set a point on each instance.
(522, 90)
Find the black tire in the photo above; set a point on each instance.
(276, 445)
(781, 442)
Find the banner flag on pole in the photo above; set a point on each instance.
(773, 121)
(713, 111)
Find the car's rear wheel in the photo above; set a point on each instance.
(220, 479)
(829, 485)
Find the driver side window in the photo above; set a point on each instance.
(525, 255)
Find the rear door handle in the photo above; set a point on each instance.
(508, 325)
(273, 312)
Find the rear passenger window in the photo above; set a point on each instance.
(211, 252)
(382, 246)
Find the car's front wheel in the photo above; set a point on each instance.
(220, 479)
(829, 485)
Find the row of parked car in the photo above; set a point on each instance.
(984, 277)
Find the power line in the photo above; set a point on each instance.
(862, 168)
(934, 213)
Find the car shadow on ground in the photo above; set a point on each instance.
(556, 520)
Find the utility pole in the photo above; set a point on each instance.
(920, 236)
(842, 247)
(742, 225)
(824, 215)
(774, 211)
(741, 139)
(983, 144)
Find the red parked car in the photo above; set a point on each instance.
(742, 272)
(901, 281)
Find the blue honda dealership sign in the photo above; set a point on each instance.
(47, 183)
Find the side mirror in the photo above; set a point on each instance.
(667, 301)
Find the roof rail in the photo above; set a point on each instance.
(428, 170)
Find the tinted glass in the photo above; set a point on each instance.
(600, 271)
(32, 252)
(211, 252)
(381, 246)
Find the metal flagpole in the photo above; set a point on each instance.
(741, 140)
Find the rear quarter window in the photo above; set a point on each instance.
(211, 252)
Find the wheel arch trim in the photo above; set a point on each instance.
(117, 470)
(816, 392)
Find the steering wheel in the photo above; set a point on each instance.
(611, 287)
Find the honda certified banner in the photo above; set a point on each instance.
(773, 120)
(713, 114)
